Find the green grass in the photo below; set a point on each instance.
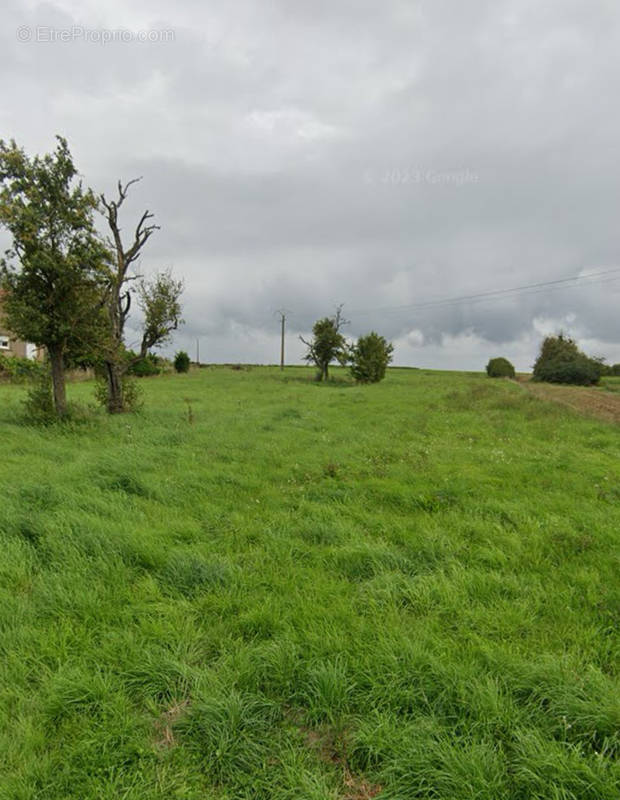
(311, 592)
(611, 383)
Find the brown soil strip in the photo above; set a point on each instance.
(583, 399)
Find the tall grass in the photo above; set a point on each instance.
(407, 590)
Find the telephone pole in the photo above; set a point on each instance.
(282, 314)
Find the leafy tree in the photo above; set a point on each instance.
(160, 301)
(158, 298)
(370, 357)
(327, 343)
(55, 273)
(500, 368)
(561, 361)
(181, 361)
(614, 369)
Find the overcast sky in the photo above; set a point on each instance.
(306, 153)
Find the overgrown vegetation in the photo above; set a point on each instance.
(19, 370)
(370, 357)
(39, 406)
(327, 344)
(409, 592)
(561, 361)
(181, 361)
(65, 288)
(500, 368)
(145, 367)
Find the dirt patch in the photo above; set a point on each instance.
(357, 789)
(332, 750)
(586, 400)
(164, 733)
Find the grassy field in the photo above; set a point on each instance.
(407, 590)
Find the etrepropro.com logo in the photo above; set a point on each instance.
(46, 34)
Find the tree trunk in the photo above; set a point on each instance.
(58, 380)
(326, 372)
(114, 379)
(113, 370)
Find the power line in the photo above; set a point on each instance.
(488, 310)
(560, 283)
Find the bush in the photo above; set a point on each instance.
(500, 368)
(181, 361)
(20, 370)
(370, 357)
(605, 368)
(144, 367)
(39, 402)
(615, 370)
(132, 394)
(561, 361)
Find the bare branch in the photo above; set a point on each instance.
(143, 231)
(124, 306)
(339, 320)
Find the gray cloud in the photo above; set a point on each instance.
(306, 154)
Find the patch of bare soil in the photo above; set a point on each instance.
(332, 749)
(164, 725)
(583, 399)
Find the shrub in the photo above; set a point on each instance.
(561, 361)
(615, 370)
(145, 367)
(20, 370)
(370, 357)
(181, 361)
(39, 402)
(132, 395)
(500, 368)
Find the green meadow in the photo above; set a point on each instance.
(263, 587)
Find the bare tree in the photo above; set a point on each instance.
(159, 298)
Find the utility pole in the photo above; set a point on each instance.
(198, 352)
(282, 314)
